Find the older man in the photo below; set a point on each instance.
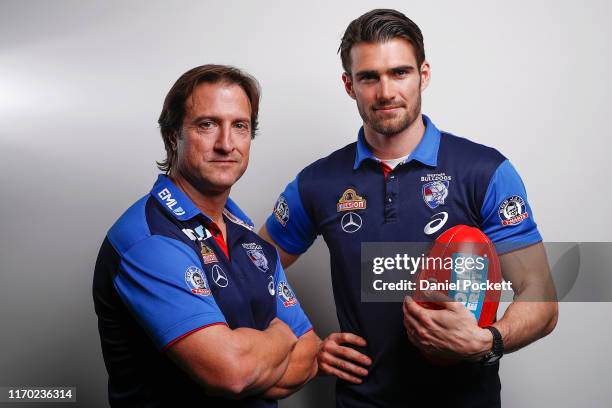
(193, 307)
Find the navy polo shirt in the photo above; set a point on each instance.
(161, 275)
(349, 198)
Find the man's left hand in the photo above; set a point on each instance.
(450, 332)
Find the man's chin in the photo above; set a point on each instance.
(220, 186)
(389, 128)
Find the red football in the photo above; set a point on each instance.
(459, 265)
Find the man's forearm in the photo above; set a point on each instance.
(302, 367)
(264, 356)
(525, 322)
(236, 363)
(534, 312)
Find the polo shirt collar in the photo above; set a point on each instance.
(177, 204)
(426, 151)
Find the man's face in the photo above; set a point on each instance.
(214, 144)
(197, 279)
(386, 83)
(512, 210)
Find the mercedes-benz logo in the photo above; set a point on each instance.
(219, 276)
(351, 222)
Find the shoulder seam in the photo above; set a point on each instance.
(144, 216)
(489, 187)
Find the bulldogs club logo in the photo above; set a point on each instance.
(435, 192)
(196, 281)
(512, 211)
(286, 294)
(350, 201)
(257, 256)
(281, 210)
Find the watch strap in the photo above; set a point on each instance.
(497, 350)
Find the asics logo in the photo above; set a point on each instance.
(437, 222)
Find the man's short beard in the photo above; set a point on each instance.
(391, 127)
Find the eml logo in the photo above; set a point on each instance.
(170, 202)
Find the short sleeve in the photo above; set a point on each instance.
(507, 218)
(288, 308)
(289, 224)
(162, 283)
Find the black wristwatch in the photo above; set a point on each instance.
(497, 351)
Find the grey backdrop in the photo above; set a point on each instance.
(81, 86)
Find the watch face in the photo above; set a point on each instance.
(491, 358)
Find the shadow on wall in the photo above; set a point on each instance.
(311, 280)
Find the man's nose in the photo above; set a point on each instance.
(224, 142)
(385, 89)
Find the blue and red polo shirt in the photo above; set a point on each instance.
(164, 271)
(350, 197)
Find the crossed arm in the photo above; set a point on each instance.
(301, 368)
(242, 362)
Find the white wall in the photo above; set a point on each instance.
(82, 84)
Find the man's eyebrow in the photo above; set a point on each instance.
(374, 73)
(370, 72)
(200, 118)
(403, 68)
(215, 118)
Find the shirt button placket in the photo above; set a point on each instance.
(391, 194)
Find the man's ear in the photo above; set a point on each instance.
(425, 75)
(348, 84)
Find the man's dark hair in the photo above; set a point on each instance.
(380, 25)
(171, 118)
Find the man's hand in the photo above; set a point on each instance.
(450, 333)
(343, 362)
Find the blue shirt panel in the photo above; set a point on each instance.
(152, 282)
(509, 233)
(151, 279)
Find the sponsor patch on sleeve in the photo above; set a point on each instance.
(512, 211)
(281, 210)
(286, 294)
(196, 281)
